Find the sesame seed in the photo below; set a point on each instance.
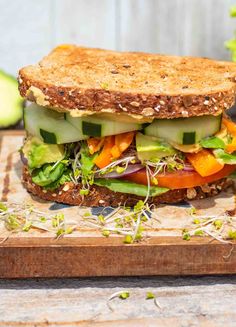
(162, 102)
(191, 193)
(121, 107)
(184, 113)
(214, 100)
(206, 102)
(157, 108)
(54, 195)
(225, 105)
(66, 187)
(148, 111)
(101, 201)
(206, 188)
(134, 104)
(215, 108)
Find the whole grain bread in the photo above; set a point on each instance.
(69, 193)
(78, 79)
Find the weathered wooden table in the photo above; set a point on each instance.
(185, 302)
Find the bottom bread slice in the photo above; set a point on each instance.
(69, 193)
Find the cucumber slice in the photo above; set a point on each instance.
(48, 137)
(91, 129)
(101, 126)
(50, 125)
(11, 103)
(184, 130)
(189, 138)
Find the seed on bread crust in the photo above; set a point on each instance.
(191, 193)
(185, 113)
(134, 104)
(147, 112)
(188, 101)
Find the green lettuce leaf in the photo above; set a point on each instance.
(87, 161)
(47, 174)
(224, 157)
(123, 186)
(65, 177)
(212, 143)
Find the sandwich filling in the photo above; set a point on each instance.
(144, 158)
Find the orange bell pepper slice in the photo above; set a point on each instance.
(231, 127)
(105, 157)
(115, 151)
(230, 148)
(95, 144)
(124, 140)
(204, 162)
(113, 148)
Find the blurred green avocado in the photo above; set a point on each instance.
(11, 103)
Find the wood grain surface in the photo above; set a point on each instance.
(185, 302)
(87, 253)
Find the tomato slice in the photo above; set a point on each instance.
(180, 178)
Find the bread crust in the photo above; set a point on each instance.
(75, 79)
(102, 196)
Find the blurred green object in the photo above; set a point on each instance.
(231, 44)
(11, 103)
(232, 11)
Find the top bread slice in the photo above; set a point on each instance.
(84, 80)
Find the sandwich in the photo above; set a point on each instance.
(106, 128)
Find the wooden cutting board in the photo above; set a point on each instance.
(86, 252)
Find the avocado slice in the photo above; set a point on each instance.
(11, 103)
(38, 153)
(152, 148)
(117, 185)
